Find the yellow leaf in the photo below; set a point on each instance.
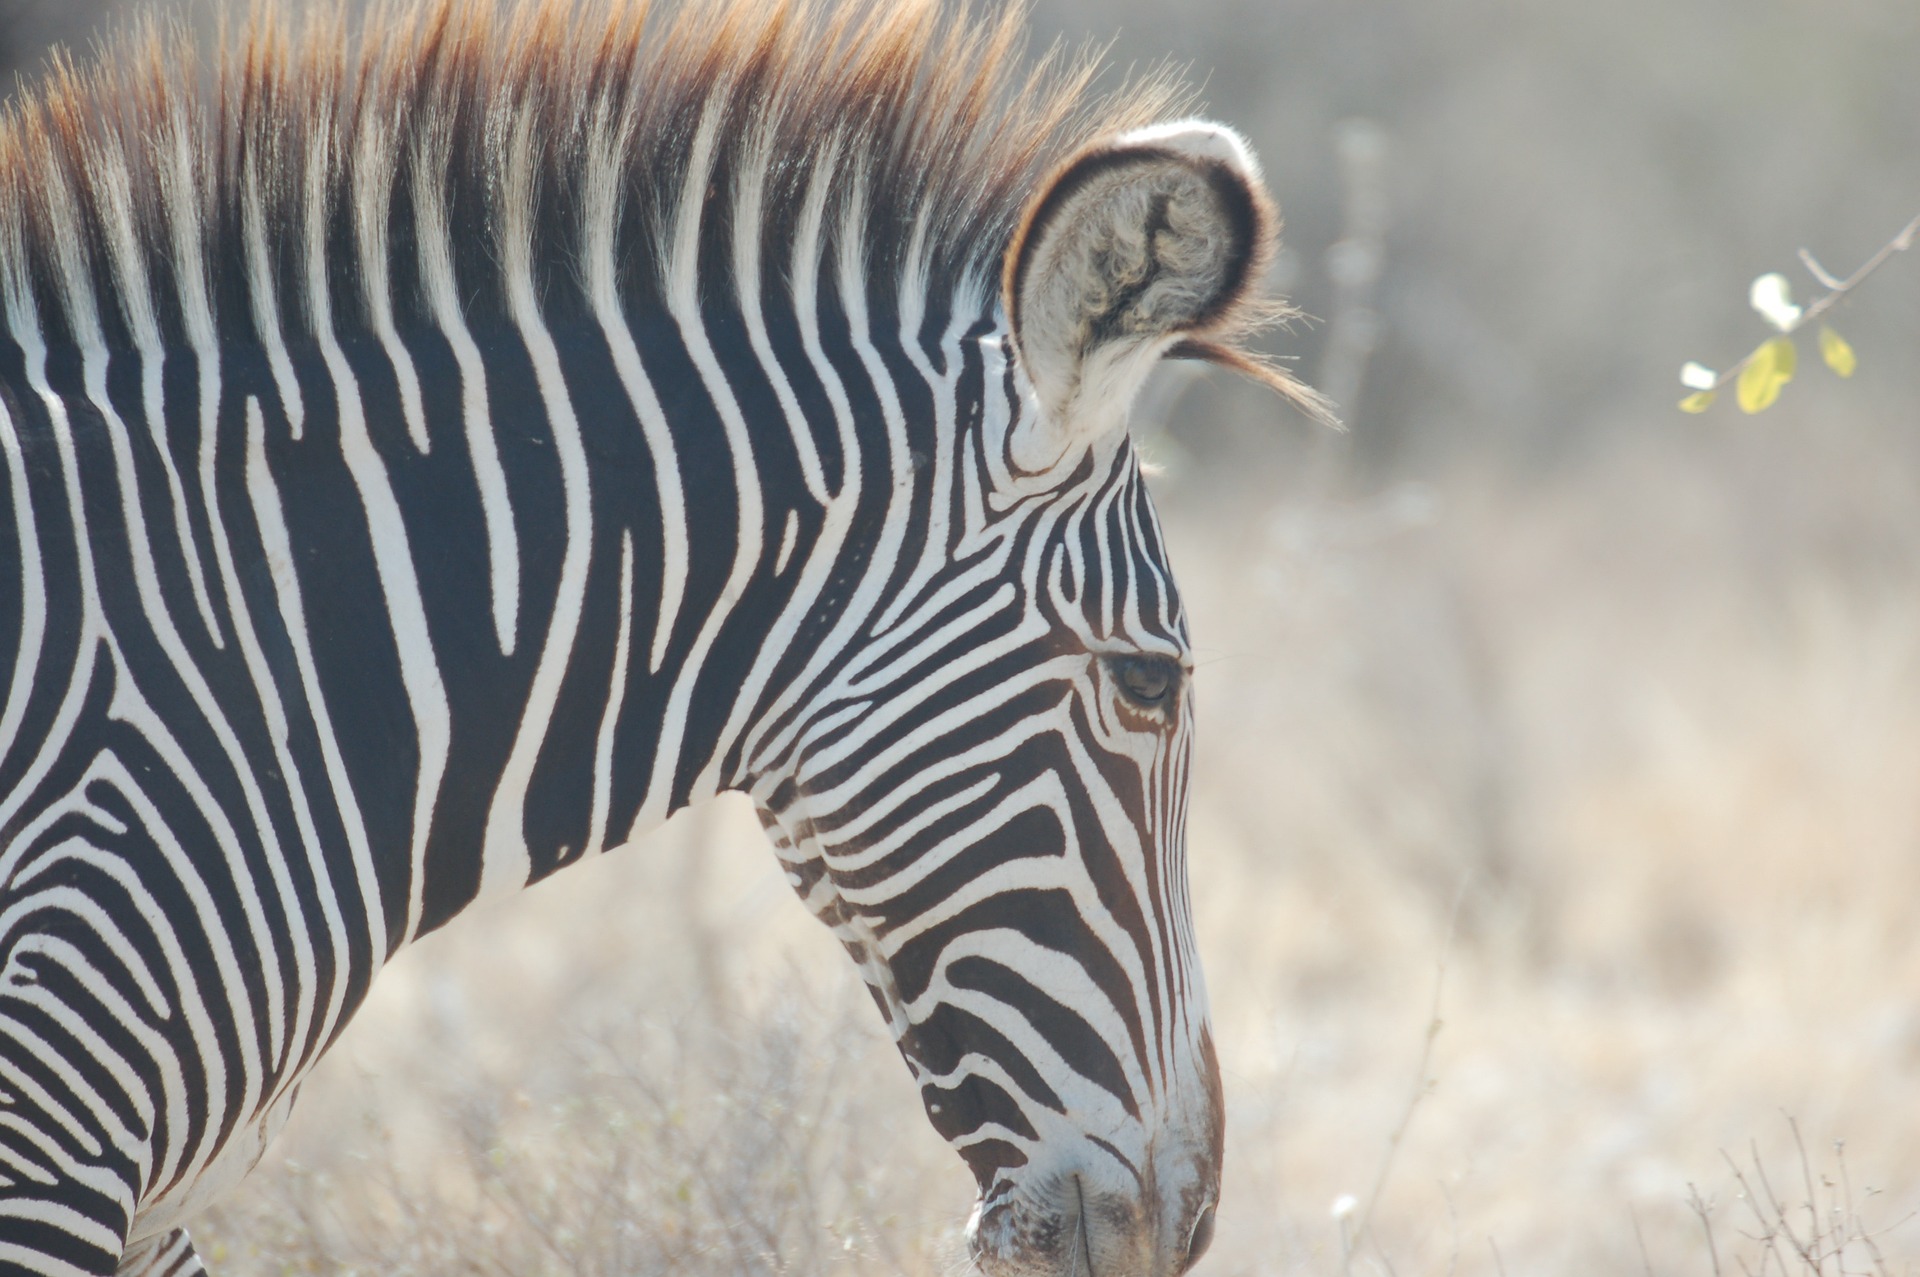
(1785, 357)
(1838, 354)
(1768, 369)
(1698, 401)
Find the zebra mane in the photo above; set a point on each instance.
(582, 144)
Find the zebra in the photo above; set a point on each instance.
(438, 447)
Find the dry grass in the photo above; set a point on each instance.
(1658, 717)
(705, 1151)
(1659, 783)
(1823, 1232)
(543, 1091)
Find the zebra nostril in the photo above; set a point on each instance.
(1201, 1237)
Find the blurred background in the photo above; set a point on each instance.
(1557, 839)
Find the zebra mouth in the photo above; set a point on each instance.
(1080, 1256)
(1010, 1233)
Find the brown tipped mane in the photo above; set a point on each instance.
(927, 127)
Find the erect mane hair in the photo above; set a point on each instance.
(910, 132)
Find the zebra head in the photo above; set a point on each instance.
(985, 795)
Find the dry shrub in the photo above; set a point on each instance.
(514, 1102)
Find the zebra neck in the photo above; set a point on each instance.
(492, 595)
(611, 552)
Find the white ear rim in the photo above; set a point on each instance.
(1202, 139)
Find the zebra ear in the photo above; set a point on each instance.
(1134, 246)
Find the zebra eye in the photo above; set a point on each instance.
(1146, 680)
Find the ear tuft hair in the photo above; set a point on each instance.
(1266, 372)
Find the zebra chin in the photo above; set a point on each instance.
(1080, 1206)
(1085, 1222)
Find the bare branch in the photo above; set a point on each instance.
(1646, 1260)
(1701, 1208)
(1837, 291)
(1827, 278)
(1422, 1083)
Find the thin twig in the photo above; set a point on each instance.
(1646, 1260)
(1422, 1084)
(1767, 1233)
(1813, 1212)
(1804, 1249)
(1826, 277)
(1838, 290)
(1700, 1208)
(1846, 1180)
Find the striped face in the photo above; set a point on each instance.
(988, 808)
(988, 796)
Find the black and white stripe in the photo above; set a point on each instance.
(428, 466)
